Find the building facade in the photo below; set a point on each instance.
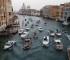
(60, 14)
(45, 11)
(54, 11)
(50, 11)
(5, 13)
(26, 10)
(23, 9)
(66, 12)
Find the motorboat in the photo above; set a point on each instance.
(45, 23)
(65, 23)
(56, 20)
(46, 41)
(52, 33)
(27, 28)
(20, 31)
(9, 44)
(28, 22)
(32, 26)
(25, 19)
(30, 18)
(40, 29)
(38, 21)
(35, 35)
(58, 44)
(26, 44)
(58, 33)
(24, 34)
(36, 24)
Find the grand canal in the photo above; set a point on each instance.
(37, 52)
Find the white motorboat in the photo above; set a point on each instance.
(65, 23)
(46, 41)
(27, 28)
(40, 29)
(52, 33)
(58, 33)
(9, 44)
(20, 31)
(56, 20)
(24, 35)
(58, 44)
(36, 24)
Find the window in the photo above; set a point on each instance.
(9, 13)
(65, 13)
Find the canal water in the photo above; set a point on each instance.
(36, 52)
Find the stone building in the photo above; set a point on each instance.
(54, 11)
(66, 12)
(60, 14)
(5, 13)
(45, 12)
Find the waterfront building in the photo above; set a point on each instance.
(23, 9)
(60, 14)
(5, 13)
(28, 11)
(50, 11)
(35, 12)
(54, 11)
(45, 11)
(66, 12)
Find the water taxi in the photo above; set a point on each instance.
(9, 44)
(26, 44)
(52, 33)
(40, 29)
(58, 33)
(24, 34)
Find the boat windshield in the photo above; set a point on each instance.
(45, 38)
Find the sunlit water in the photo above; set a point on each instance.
(37, 52)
